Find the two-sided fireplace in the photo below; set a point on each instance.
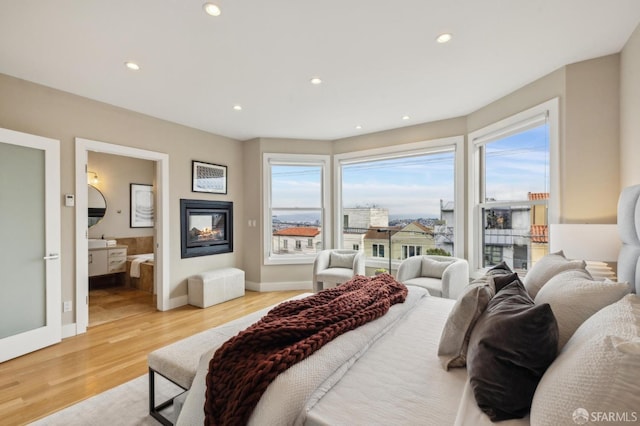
(206, 227)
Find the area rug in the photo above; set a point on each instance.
(124, 405)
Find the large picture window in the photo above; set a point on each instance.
(513, 180)
(296, 200)
(402, 198)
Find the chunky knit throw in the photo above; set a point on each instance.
(243, 367)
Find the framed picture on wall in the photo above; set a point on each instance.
(211, 178)
(142, 205)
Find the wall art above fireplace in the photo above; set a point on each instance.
(206, 227)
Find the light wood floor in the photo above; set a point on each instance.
(114, 303)
(110, 354)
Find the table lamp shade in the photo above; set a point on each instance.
(593, 242)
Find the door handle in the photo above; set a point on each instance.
(52, 256)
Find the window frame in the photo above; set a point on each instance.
(454, 144)
(500, 129)
(280, 159)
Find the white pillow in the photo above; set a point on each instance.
(574, 296)
(546, 268)
(597, 371)
(341, 260)
(434, 268)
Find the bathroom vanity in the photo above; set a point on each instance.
(107, 260)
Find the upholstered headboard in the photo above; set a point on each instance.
(629, 229)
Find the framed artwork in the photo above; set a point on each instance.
(142, 206)
(211, 178)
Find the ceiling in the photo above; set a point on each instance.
(378, 60)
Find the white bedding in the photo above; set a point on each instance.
(366, 380)
(381, 389)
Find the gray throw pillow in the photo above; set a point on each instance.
(454, 340)
(546, 268)
(574, 296)
(341, 260)
(434, 268)
(511, 346)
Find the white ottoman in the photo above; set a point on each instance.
(217, 286)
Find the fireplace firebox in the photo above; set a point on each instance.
(206, 227)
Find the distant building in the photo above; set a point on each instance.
(356, 222)
(364, 218)
(517, 235)
(444, 230)
(413, 239)
(297, 240)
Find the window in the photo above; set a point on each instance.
(409, 251)
(513, 180)
(296, 201)
(388, 189)
(492, 254)
(356, 247)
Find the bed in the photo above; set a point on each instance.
(419, 363)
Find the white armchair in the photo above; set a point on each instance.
(443, 276)
(333, 267)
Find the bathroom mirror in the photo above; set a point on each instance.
(97, 205)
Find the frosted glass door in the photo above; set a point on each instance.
(29, 244)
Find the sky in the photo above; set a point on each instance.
(412, 187)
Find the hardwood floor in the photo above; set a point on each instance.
(45, 381)
(114, 303)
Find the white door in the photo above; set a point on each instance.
(30, 293)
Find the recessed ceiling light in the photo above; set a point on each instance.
(211, 9)
(444, 38)
(132, 66)
(237, 107)
(358, 127)
(315, 80)
(405, 117)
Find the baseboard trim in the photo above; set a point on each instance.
(278, 286)
(176, 302)
(69, 330)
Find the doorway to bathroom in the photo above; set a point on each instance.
(121, 230)
(133, 184)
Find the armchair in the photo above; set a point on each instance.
(442, 276)
(333, 267)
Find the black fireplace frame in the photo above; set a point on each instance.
(189, 249)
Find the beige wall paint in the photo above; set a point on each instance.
(115, 174)
(35, 109)
(590, 155)
(630, 111)
(252, 255)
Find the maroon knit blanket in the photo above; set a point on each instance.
(243, 367)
